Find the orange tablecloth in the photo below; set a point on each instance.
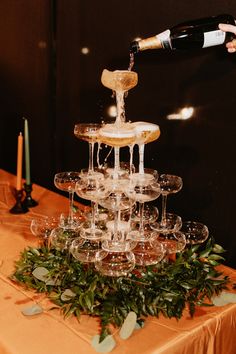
(211, 331)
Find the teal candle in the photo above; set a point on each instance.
(27, 152)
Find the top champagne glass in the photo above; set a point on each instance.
(88, 132)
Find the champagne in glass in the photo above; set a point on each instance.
(117, 135)
(120, 82)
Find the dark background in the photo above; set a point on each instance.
(45, 77)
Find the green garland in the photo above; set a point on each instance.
(166, 288)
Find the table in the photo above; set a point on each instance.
(211, 331)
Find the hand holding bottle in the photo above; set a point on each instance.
(231, 46)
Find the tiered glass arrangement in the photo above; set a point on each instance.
(129, 233)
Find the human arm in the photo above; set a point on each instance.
(231, 46)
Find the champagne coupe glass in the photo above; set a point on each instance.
(91, 186)
(145, 133)
(146, 189)
(195, 232)
(150, 214)
(61, 238)
(88, 132)
(117, 135)
(148, 252)
(114, 264)
(84, 250)
(173, 242)
(120, 82)
(66, 181)
(125, 170)
(169, 184)
(42, 227)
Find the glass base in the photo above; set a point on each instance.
(172, 223)
(66, 223)
(150, 214)
(136, 235)
(123, 226)
(118, 245)
(91, 233)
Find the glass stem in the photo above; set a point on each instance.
(163, 212)
(117, 161)
(131, 153)
(141, 158)
(115, 229)
(91, 150)
(116, 220)
(98, 155)
(71, 205)
(141, 224)
(106, 158)
(93, 207)
(120, 107)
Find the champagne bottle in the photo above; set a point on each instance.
(200, 33)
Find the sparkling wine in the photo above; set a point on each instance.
(117, 135)
(193, 34)
(131, 61)
(87, 136)
(146, 132)
(120, 82)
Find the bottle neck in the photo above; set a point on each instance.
(160, 41)
(150, 43)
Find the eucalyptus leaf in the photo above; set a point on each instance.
(67, 295)
(224, 298)
(106, 346)
(128, 325)
(32, 310)
(53, 282)
(41, 273)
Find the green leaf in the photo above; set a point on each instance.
(216, 257)
(218, 249)
(205, 252)
(166, 288)
(213, 262)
